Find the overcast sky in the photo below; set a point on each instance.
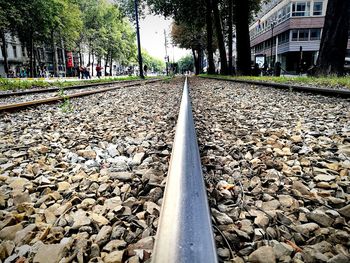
(152, 38)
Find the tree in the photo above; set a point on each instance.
(44, 21)
(209, 28)
(64, 24)
(191, 21)
(107, 33)
(119, 38)
(334, 38)
(192, 38)
(242, 13)
(230, 37)
(185, 64)
(8, 17)
(153, 64)
(220, 38)
(33, 27)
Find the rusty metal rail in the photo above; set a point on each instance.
(21, 105)
(184, 229)
(343, 93)
(53, 89)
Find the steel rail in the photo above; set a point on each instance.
(21, 105)
(322, 91)
(33, 91)
(184, 230)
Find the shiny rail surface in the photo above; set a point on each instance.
(343, 93)
(184, 230)
(21, 105)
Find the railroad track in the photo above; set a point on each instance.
(184, 229)
(21, 105)
(185, 232)
(322, 91)
(54, 89)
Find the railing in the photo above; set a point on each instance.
(184, 230)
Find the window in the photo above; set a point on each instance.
(279, 15)
(283, 37)
(23, 51)
(288, 10)
(295, 35)
(303, 35)
(283, 13)
(306, 34)
(14, 51)
(301, 9)
(315, 34)
(318, 8)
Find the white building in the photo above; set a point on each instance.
(289, 31)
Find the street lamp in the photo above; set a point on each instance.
(138, 40)
(273, 23)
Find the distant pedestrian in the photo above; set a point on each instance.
(87, 72)
(99, 71)
(145, 68)
(256, 70)
(81, 72)
(265, 67)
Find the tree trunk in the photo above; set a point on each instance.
(54, 55)
(31, 48)
(34, 62)
(64, 62)
(230, 37)
(110, 65)
(196, 62)
(93, 63)
(200, 60)
(38, 56)
(334, 38)
(243, 39)
(209, 24)
(106, 63)
(81, 62)
(4, 52)
(89, 62)
(220, 38)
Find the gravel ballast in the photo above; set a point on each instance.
(276, 165)
(84, 183)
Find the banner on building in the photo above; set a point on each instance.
(69, 60)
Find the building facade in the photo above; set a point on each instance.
(18, 59)
(67, 62)
(289, 31)
(16, 55)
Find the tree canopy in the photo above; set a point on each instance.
(185, 64)
(98, 25)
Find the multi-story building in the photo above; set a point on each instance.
(289, 31)
(16, 54)
(67, 62)
(18, 59)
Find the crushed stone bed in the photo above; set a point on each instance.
(277, 165)
(38, 96)
(85, 184)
